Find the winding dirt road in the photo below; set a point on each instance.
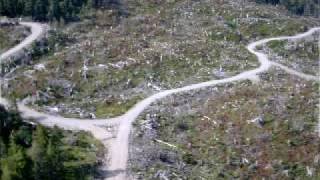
(36, 32)
(116, 160)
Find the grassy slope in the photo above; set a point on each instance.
(167, 44)
(215, 139)
(302, 55)
(210, 128)
(10, 36)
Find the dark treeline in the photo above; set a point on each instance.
(46, 10)
(34, 153)
(300, 7)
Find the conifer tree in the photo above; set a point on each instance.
(38, 151)
(41, 10)
(28, 8)
(15, 164)
(54, 10)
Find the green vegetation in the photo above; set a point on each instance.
(29, 152)
(115, 108)
(300, 7)
(44, 10)
(277, 45)
(156, 47)
(242, 131)
(10, 36)
(105, 63)
(301, 55)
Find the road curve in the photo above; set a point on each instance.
(36, 31)
(119, 150)
(118, 153)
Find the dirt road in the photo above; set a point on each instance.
(117, 143)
